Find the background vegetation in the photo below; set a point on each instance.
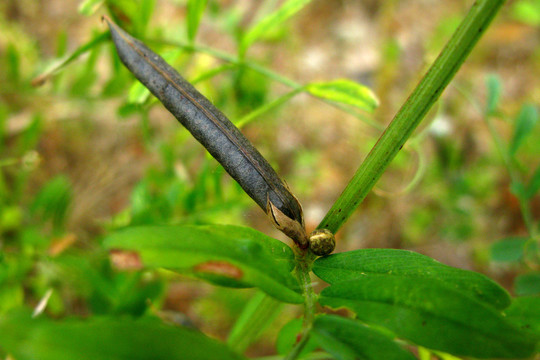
(85, 150)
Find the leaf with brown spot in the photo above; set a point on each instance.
(226, 255)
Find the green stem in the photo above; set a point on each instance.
(263, 71)
(211, 73)
(304, 261)
(265, 108)
(9, 162)
(412, 112)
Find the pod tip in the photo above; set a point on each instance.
(105, 18)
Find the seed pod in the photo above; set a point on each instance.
(215, 132)
(322, 242)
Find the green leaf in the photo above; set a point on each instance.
(11, 296)
(528, 284)
(525, 313)
(494, 89)
(97, 338)
(349, 339)
(525, 122)
(430, 314)
(527, 11)
(534, 184)
(288, 9)
(347, 92)
(403, 264)
(89, 7)
(195, 10)
(509, 250)
(222, 254)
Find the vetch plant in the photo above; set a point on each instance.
(400, 299)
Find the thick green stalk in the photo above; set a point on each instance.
(412, 112)
(304, 263)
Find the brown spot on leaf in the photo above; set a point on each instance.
(126, 260)
(59, 245)
(222, 268)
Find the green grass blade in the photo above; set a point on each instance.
(195, 10)
(413, 111)
(63, 62)
(525, 122)
(287, 10)
(494, 90)
(258, 314)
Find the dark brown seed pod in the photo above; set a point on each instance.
(215, 132)
(322, 242)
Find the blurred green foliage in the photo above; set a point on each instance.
(44, 248)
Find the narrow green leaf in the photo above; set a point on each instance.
(534, 184)
(222, 254)
(195, 10)
(525, 122)
(66, 60)
(509, 249)
(525, 313)
(494, 89)
(345, 91)
(89, 7)
(288, 9)
(105, 339)
(341, 337)
(432, 315)
(518, 189)
(528, 284)
(403, 264)
(13, 63)
(257, 315)
(146, 9)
